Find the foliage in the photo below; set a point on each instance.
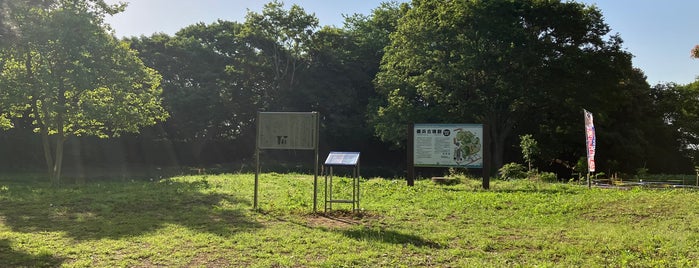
(338, 83)
(281, 39)
(546, 177)
(581, 166)
(512, 171)
(217, 76)
(641, 174)
(207, 86)
(72, 77)
(207, 221)
(517, 66)
(530, 149)
(508, 64)
(679, 105)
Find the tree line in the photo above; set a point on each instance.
(190, 99)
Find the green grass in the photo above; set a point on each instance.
(207, 221)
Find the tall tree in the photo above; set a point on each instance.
(207, 87)
(281, 38)
(680, 107)
(74, 78)
(338, 80)
(495, 62)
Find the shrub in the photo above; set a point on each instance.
(548, 177)
(512, 171)
(530, 148)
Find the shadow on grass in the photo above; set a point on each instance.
(388, 236)
(113, 210)
(11, 258)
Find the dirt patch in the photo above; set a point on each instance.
(329, 222)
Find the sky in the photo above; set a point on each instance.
(660, 34)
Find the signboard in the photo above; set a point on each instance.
(277, 130)
(287, 130)
(448, 145)
(342, 158)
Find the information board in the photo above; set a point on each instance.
(448, 145)
(283, 130)
(342, 158)
(287, 130)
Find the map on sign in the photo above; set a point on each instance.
(342, 159)
(448, 145)
(277, 130)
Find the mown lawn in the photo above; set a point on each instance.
(207, 221)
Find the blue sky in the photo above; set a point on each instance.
(659, 34)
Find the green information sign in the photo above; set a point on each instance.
(448, 145)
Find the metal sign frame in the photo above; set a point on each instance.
(287, 131)
(341, 159)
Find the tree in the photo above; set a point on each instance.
(495, 62)
(530, 148)
(207, 86)
(216, 76)
(680, 107)
(281, 39)
(338, 80)
(72, 77)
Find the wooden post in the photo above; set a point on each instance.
(257, 161)
(487, 163)
(315, 173)
(411, 155)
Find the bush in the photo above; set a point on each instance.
(548, 177)
(512, 171)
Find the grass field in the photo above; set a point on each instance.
(207, 221)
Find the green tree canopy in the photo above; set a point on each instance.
(216, 76)
(502, 63)
(680, 107)
(209, 89)
(338, 80)
(281, 39)
(72, 77)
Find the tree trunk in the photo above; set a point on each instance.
(43, 128)
(45, 141)
(498, 152)
(47, 152)
(60, 137)
(56, 174)
(499, 131)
